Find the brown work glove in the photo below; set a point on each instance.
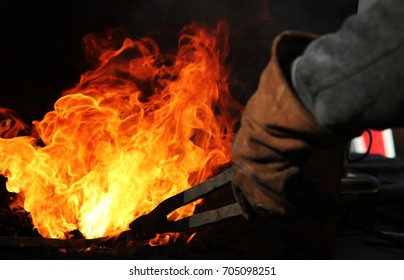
(276, 138)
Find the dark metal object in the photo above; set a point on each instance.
(15, 241)
(149, 225)
(393, 238)
(125, 238)
(358, 198)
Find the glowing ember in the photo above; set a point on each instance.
(136, 130)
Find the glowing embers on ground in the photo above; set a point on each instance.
(139, 128)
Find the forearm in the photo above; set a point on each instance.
(354, 79)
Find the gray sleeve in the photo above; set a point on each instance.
(354, 79)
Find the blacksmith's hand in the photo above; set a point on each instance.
(276, 137)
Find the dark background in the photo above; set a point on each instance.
(42, 55)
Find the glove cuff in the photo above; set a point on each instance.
(287, 47)
(277, 136)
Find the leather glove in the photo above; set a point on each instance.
(276, 138)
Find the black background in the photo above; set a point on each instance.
(41, 41)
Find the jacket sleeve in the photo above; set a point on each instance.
(354, 79)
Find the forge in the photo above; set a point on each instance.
(115, 106)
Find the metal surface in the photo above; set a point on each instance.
(16, 241)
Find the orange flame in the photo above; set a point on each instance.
(139, 128)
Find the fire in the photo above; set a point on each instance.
(139, 128)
